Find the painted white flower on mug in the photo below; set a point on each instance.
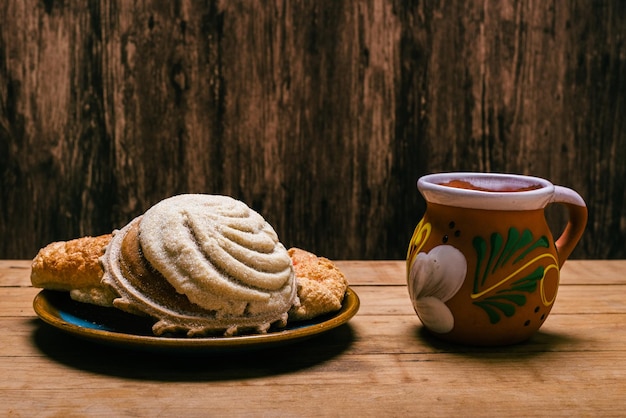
(435, 277)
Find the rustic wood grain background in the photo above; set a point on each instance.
(321, 115)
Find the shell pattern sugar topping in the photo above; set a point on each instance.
(214, 250)
(214, 245)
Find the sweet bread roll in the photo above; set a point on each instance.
(321, 285)
(201, 264)
(73, 266)
(198, 264)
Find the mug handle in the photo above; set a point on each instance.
(577, 211)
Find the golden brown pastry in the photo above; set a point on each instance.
(74, 266)
(321, 285)
(198, 264)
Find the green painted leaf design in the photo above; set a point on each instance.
(506, 308)
(514, 241)
(529, 283)
(497, 253)
(494, 316)
(504, 303)
(519, 300)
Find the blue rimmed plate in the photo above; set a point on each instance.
(111, 326)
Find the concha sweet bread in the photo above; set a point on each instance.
(201, 264)
(197, 264)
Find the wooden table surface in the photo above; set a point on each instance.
(381, 363)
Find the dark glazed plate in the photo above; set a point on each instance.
(110, 326)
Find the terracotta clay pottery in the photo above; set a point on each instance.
(482, 265)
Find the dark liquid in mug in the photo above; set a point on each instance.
(461, 184)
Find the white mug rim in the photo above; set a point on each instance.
(431, 187)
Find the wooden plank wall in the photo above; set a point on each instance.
(321, 115)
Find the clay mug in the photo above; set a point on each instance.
(482, 265)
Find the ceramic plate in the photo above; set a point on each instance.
(111, 326)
